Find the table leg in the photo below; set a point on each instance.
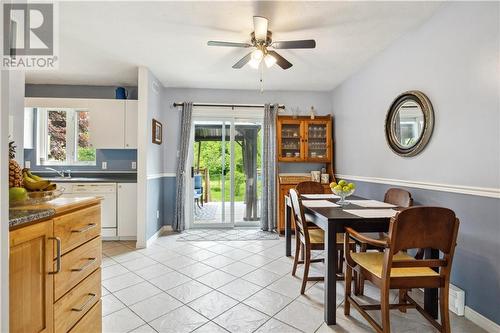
(431, 294)
(288, 229)
(330, 274)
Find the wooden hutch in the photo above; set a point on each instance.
(302, 140)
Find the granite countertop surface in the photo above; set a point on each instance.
(27, 214)
(22, 216)
(91, 177)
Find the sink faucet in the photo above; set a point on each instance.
(60, 173)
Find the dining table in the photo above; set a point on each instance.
(333, 220)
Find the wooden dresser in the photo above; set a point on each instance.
(287, 182)
(55, 269)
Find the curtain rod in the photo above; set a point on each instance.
(280, 106)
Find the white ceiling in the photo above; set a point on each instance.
(103, 43)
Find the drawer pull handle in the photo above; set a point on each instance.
(58, 255)
(81, 268)
(86, 303)
(86, 228)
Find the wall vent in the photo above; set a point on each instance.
(457, 300)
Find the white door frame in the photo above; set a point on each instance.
(217, 114)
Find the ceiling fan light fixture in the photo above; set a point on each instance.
(257, 55)
(255, 63)
(269, 60)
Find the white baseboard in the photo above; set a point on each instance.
(162, 230)
(481, 321)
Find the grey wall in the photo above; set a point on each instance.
(75, 91)
(292, 99)
(454, 59)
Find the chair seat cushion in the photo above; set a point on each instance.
(373, 262)
(317, 236)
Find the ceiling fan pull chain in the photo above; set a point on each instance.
(262, 77)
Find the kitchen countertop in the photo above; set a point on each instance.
(90, 180)
(90, 177)
(21, 215)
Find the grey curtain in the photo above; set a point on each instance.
(180, 198)
(268, 206)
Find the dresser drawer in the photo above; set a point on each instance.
(78, 227)
(77, 302)
(76, 265)
(91, 322)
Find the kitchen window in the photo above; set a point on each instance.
(63, 137)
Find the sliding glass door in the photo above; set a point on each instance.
(226, 172)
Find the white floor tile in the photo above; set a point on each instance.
(189, 291)
(302, 316)
(113, 271)
(111, 304)
(181, 320)
(178, 262)
(156, 306)
(218, 261)
(137, 293)
(276, 326)
(256, 260)
(289, 286)
(153, 271)
(261, 277)
(239, 289)
(136, 264)
(278, 267)
(237, 254)
(144, 329)
(238, 269)
(210, 327)
(216, 279)
(268, 302)
(212, 304)
(196, 270)
(241, 318)
(122, 281)
(169, 280)
(121, 321)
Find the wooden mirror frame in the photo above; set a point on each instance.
(425, 105)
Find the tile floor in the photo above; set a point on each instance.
(233, 286)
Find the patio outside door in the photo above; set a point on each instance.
(226, 172)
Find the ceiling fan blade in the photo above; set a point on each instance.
(282, 62)
(228, 44)
(260, 27)
(295, 44)
(243, 61)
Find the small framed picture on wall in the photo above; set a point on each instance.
(157, 132)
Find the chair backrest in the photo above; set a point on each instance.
(298, 216)
(424, 227)
(310, 187)
(398, 197)
(198, 181)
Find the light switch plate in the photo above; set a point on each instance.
(27, 164)
(104, 165)
(157, 214)
(134, 165)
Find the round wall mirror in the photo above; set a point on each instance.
(409, 123)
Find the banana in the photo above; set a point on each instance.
(34, 185)
(31, 175)
(51, 187)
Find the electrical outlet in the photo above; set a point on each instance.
(134, 165)
(27, 164)
(104, 165)
(157, 214)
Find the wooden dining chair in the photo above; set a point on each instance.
(308, 239)
(310, 187)
(413, 228)
(397, 197)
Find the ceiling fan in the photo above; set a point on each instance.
(261, 40)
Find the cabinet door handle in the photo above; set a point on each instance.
(58, 255)
(81, 268)
(86, 228)
(85, 304)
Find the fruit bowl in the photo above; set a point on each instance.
(343, 190)
(38, 197)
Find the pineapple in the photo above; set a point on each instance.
(15, 170)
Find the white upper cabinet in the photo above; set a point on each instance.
(106, 123)
(131, 124)
(112, 122)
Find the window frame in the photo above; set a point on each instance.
(71, 138)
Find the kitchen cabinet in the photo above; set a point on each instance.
(106, 123)
(302, 139)
(30, 282)
(54, 269)
(127, 210)
(131, 113)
